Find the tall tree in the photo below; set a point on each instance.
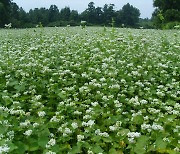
(167, 4)
(99, 15)
(129, 15)
(37, 16)
(14, 12)
(74, 15)
(65, 14)
(23, 17)
(89, 14)
(53, 13)
(166, 11)
(108, 13)
(4, 12)
(14, 15)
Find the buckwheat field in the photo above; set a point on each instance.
(89, 91)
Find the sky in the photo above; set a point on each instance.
(145, 6)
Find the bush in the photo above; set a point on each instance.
(172, 25)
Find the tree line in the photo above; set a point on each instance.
(166, 15)
(10, 12)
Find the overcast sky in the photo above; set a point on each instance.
(145, 6)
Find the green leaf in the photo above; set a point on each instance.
(107, 139)
(62, 96)
(112, 151)
(45, 132)
(12, 147)
(33, 147)
(20, 87)
(13, 83)
(2, 129)
(8, 100)
(97, 149)
(55, 148)
(141, 145)
(166, 151)
(138, 119)
(43, 140)
(96, 138)
(86, 145)
(76, 149)
(22, 147)
(170, 102)
(33, 144)
(160, 144)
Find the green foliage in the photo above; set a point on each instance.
(4, 12)
(167, 11)
(146, 23)
(12, 13)
(172, 25)
(53, 13)
(129, 15)
(94, 90)
(108, 14)
(141, 145)
(167, 4)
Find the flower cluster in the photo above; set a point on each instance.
(4, 149)
(132, 136)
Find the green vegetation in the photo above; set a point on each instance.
(102, 16)
(91, 90)
(166, 14)
(4, 12)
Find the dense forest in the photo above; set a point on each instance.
(166, 14)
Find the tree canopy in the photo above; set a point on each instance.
(166, 11)
(129, 15)
(4, 11)
(10, 12)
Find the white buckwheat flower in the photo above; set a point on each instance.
(4, 149)
(28, 132)
(35, 124)
(41, 113)
(112, 128)
(133, 134)
(90, 123)
(157, 127)
(51, 142)
(50, 152)
(80, 137)
(67, 131)
(74, 125)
